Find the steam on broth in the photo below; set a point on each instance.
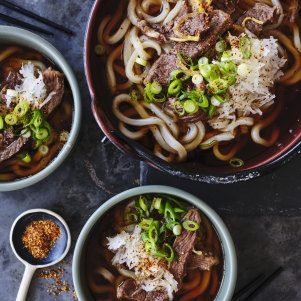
(36, 109)
(154, 247)
(191, 78)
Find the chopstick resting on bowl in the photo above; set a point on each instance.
(34, 16)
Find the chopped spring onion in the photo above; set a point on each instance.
(153, 231)
(197, 79)
(171, 225)
(1, 123)
(100, 49)
(145, 223)
(185, 59)
(221, 45)
(158, 253)
(177, 230)
(26, 133)
(230, 79)
(180, 112)
(190, 107)
(228, 67)
(169, 214)
(156, 88)
(38, 119)
(215, 72)
(157, 203)
(143, 203)
(11, 119)
(179, 74)
(206, 70)
(178, 210)
(21, 109)
(42, 134)
(203, 101)
(222, 98)
(203, 61)
(245, 47)
(159, 97)
(147, 93)
(227, 55)
(134, 93)
(190, 225)
(141, 61)
(236, 162)
(64, 136)
(131, 217)
(243, 70)
(219, 86)
(178, 203)
(168, 248)
(43, 150)
(36, 144)
(25, 157)
(175, 87)
(211, 111)
(214, 101)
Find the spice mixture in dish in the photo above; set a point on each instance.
(35, 112)
(160, 248)
(193, 75)
(40, 236)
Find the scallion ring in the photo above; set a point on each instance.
(153, 231)
(64, 136)
(178, 105)
(43, 150)
(219, 86)
(25, 157)
(222, 97)
(228, 67)
(190, 225)
(206, 70)
(236, 162)
(169, 251)
(245, 47)
(134, 93)
(222, 44)
(159, 97)
(145, 223)
(211, 111)
(203, 101)
(1, 123)
(11, 119)
(21, 109)
(175, 87)
(179, 74)
(131, 217)
(203, 61)
(185, 59)
(42, 134)
(155, 88)
(190, 106)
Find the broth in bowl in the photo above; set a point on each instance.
(36, 111)
(154, 247)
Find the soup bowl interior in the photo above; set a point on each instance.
(79, 259)
(200, 166)
(16, 36)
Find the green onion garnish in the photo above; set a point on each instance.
(206, 70)
(190, 107)
(203, 61)
(179, 74)
(221, 43)
(42, 134)
(25, 157)
(245, 47)
(236, 162)
(43, 150)
(145, 223)
(11, 119)
(185, 59)
(218, 86)
(1, 123)
(155, 88)
(179, 104)
(170, 254)
(190, 225)
(153, 231)
(21, 109)
(222, 97)
(228, 67)
(134, 93)
(169, 214)
(211, 111)
(175, 87)
(131, 217)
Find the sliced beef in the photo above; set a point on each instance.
(187, 118)
(261, 12)
(54, 81)
(130, 290)
(183, 247)
(203, 262)
(6, 138)
(11, 79)
(160, 71)
(12, 148)
(228, 6)
(196, 24)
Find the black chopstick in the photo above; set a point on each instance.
(264, 283)
(248, 286)
(24, 24)
(35, 16)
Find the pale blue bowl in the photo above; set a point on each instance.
(17, 36)
(230, 262)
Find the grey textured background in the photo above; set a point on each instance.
(264, 216)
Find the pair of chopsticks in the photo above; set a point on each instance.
(254, 287)
(32, 15)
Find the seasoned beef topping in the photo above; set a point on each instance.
(6, 138)
(203, 262)
(261, 12)
(183, 247)
(187, 118)
(228, 6)
(130, 290)
(161, 69)
(54, 81)
(12, 148)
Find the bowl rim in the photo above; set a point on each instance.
(266, 166)
(230, 260)
(26, 38)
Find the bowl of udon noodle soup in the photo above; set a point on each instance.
(39, 108)
(154, 243)
(206, 90)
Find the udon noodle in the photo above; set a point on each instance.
(131, 54)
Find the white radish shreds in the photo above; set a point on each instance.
(253, 90)
(32, 89)
(150, 271)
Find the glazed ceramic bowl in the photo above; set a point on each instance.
(79, 257)
(17, 36)
(202, 166)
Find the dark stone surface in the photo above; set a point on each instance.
(264, 215)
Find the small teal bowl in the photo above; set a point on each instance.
(230, 262)
(17, 36)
